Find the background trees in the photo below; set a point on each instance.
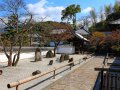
(53, 32)
(108, 14)
(60, 33)
(116, 7)
(93, 15)
(42, 29)
(108, 10)
(69, 13)
(106, 42)
(106, 35)
(15, 29)
(97, 38)
(116, 41)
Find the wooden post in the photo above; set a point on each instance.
(111, 84)
(108, 80)
(115, 81)
(106, 61)
(79, 61)
(1, 72)
(54, 74)
(113, 64)
(70, 66)
(108, 69)
(104, 82)
(17, 87)
(101, 79)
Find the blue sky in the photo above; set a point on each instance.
(82, 3)
(52, 8)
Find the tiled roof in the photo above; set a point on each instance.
(115, 22)
(78, 35)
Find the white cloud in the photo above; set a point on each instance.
(86, 10)
(41, 9)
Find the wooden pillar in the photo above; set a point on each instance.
(101, 80)
(54, 75)
(70, 66)
(17, 87)
(116, 82)
(79, 61)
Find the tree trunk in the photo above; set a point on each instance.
(14, 59)
(56, 44)
(9, 61)
(18, 57)
(19, 51)
(74, 21)
(55, 51)
(9, 57)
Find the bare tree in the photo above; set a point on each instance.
(39, 29)
(85, 21)
(102, 16)
(93, 16)
(15, 27)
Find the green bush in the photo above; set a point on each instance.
(116, 49)
(92, 48)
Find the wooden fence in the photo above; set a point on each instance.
(109, 76)
(20, 82)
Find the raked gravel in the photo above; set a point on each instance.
(25, 68)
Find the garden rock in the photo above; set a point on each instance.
(36, 72)
(84, 58)
(51, 62)
(37, 55)
(1, 72)
(49, 54)
(66, 57)
(70, 61)
(62, 57)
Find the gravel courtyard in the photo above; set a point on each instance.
(25, 68)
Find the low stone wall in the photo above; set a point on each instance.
(28, 49)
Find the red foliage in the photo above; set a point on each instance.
(101, 38)
(116, 35)
(97, 38)
(64, 32)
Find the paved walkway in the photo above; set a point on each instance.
(82, 78)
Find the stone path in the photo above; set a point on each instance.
(82, 78)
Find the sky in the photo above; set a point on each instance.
(51, 9)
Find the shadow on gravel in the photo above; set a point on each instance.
(49, 77)
(45, 80)
(32, 61)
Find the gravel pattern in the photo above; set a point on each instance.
(26, 67)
